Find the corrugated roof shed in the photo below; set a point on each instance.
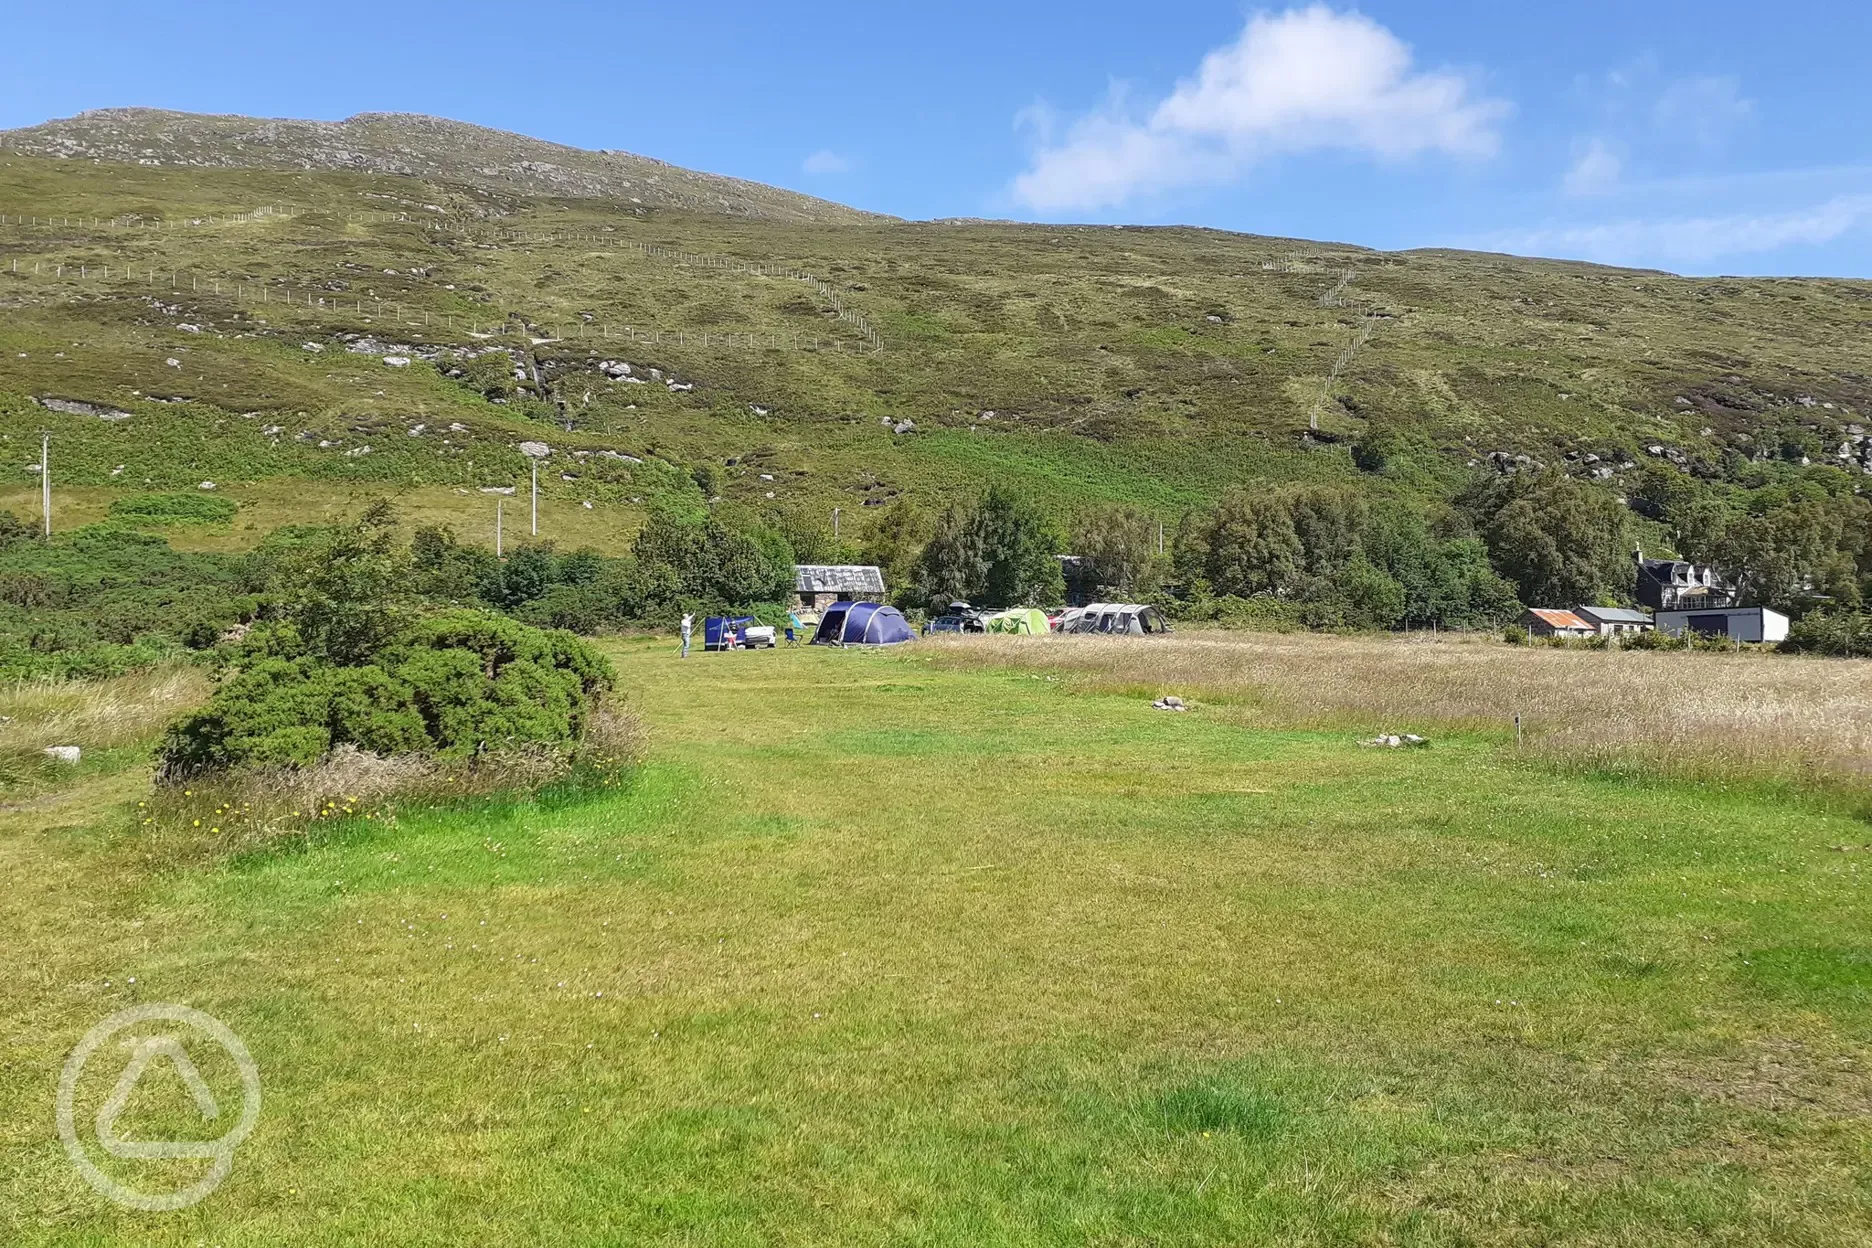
(1612, 615)
(1554, 617)
(837, 578)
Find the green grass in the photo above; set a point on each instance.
(893, 953)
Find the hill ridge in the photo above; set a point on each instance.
(414, 145)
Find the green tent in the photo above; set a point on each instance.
(1019, 620)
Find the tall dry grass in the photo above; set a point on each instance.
(97, 714)
(1750, 714)
(246, 809)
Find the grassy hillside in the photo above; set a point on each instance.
(408, 145)
(1156, 367)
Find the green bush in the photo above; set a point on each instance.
(1261, 614)
(105, 599)
(173, 509)
(454, 686)
(1842, 633)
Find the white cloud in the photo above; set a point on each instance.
(1595, 170)
(824, 161)
(1306, 79)
(1691, 241)
(1704, 110)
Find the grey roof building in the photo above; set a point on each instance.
(818, 585)
(1611, 621)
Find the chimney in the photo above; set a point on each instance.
(1637, 554)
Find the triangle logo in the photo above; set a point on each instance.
(144, 1053)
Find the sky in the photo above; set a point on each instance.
(1713, 136)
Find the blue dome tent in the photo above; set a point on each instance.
(862, 624)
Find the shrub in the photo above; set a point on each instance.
(347, 590)
(1839, 632)
(454, 686)
(1515, 634)
(176, 508)
(242, 810)
(1259, 614)
(106, 599)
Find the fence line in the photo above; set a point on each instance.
(267, 294)
(1290, 262)
(1335, 298)
(1365, 330)
(126, 221)
(709, 260)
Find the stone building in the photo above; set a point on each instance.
(819, 585)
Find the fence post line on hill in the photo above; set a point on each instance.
(45, 481)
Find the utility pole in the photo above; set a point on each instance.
(45, 480)
(536, 498)
(498, 504)
(835, 523)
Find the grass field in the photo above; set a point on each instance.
(901, 948)
(1723, 716)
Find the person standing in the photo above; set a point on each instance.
(688, 631)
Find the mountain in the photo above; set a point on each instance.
(419, 298)
(409, 145)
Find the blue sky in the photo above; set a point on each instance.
(1707, 137)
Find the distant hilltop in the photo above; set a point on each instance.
(412, 145)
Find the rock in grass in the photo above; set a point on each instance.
(1170, 702)
(63, 753)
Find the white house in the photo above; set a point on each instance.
(1739, 623)
(1676, 584)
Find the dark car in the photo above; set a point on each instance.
(955, 624)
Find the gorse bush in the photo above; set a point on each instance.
(350, 655)
(104, 600)
(455, 686)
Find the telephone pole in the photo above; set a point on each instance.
(498, 504)
(45, 480)
(536, 498)
(835, 522)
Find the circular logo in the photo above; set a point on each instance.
(144, 1051)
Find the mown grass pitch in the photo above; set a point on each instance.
(877, 950)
